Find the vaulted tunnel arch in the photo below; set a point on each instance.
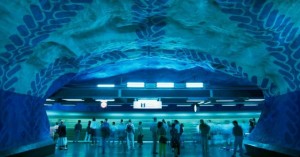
(51, 43)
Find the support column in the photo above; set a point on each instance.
(279, 124)
(23, 121)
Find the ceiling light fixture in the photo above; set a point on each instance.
(73, 99)
(224, 100)
(105, 85)
(229, 105)
(250, 104)
(194, 85)
(255, 100)
(136, 84)
(165, 85)
(205, 105)
(105, 100)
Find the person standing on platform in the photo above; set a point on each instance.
(99, 134)
(204, 131)
(56, 133)
(177, 127)
(77, 129)
(113, 129)
(251, 125)
(88, 132)
(153, 129)
(62, 136)
(175, 143)
(105, 133)
(166, 126)
(130, 135)
(94, 126)
(182, 135)
(140, 134)
(238, 138)
(162, 133)
(121, 132)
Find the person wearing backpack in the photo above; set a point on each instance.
(130, 135)
(105, 133)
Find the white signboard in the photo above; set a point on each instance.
(147, 104)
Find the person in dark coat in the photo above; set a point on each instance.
(62, 136)
(204, 132)
(238, 138)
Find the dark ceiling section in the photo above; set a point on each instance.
(217, 86)
(210, 78)
(126, 95)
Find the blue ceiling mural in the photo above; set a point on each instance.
(144, 29)
(46, 44)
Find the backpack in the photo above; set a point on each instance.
(129, 128)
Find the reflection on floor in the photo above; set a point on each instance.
(118, 150)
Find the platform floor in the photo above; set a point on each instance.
(118, 150)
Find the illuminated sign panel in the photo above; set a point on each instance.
(147, 104)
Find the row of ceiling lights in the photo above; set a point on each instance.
(158, 85)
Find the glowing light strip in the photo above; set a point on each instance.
(165, 84)
(228, 105)
(194, 85)
(250, 104)
(183, 105)
(255, 100)
(136, 84)
(105, 85)
(105, 100)
(224, 100)
(206, 105)
(73, 99)
(50, 100)
(115, 105)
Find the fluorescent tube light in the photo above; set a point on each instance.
(205, 105)
(255, 100)
(229, 105)
(50, 100)
(69, 105)
(105, 85)
(183, 105)
(115, 105)
(165, 85)
(250, 104)
(73, 99)
(136, 84)
(194, 85)
(224, 100)
(105, 100)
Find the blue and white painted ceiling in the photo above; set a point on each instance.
(79, 40)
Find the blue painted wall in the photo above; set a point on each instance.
(23, 120)
(279, 122)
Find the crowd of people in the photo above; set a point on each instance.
(163, 134)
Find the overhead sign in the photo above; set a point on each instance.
(147, 104)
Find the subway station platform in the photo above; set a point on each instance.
(190, 149)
